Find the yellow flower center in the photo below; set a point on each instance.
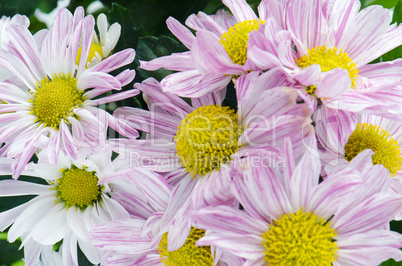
(207, 138)
(95, 48)
(55, 99)
(78, 188)
(235, 39)
(328, 59)
(189, 253)
(300, 238)
(386, 149)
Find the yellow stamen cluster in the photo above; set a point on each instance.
(235, 39)
(189, 253)
(55, 99)
(329, 59)
(78, 188)
(92, 53)
(386, 149)
(300, 238)
(207, 138)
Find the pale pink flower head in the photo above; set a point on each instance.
(343, 135)
(218, 52)
(163, 234)
(334, 42)
(203, 141)
(289, 217)
(50, 103)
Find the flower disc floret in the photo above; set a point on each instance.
(369, 136)
(329, 59)
(235, 39)
(207, 138)
(189, 253)
(95, 48)
(78, 187)
(55, 99)
(301, 238)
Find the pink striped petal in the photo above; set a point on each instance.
(181, 32)
(307, 23)
(114, 97)
(87, 34)
(175, 62)
(123, 235)
(240, 9)
(202, 21)
(193, 84)
(23, 42)
(366, 29)
(97, 80)
(114, 61)
(159, 101)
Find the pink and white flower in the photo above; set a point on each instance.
(50, 103)
(64, 210)
(289, 216)
(265, 117)
(209, 66)
(341, 134)
(334, 43)
(165, 224)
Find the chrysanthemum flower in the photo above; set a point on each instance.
(102, 45)
(343, 135)
(217, 53)
(334, 44)
(51, 103)
(75, 199)
(291, 218)
(204, 140)
(162, 235)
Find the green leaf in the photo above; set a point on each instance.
(397, 17)
(9, 253)
(384, 3)
(129, 32)
(12, 7)
(391, 262)
(152, 14)
(35, 25)
(152, 47)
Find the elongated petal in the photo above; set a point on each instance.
(175, 62)
(306, 21)
(123, 235)
(367, 28)
(181, 32)
(193, 84)
(115, 61)
(31, 216)
(20, 188)
(240, 9)
(52, 228)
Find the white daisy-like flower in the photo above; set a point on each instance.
(74, 200)
(50, 102)
(102, 45)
